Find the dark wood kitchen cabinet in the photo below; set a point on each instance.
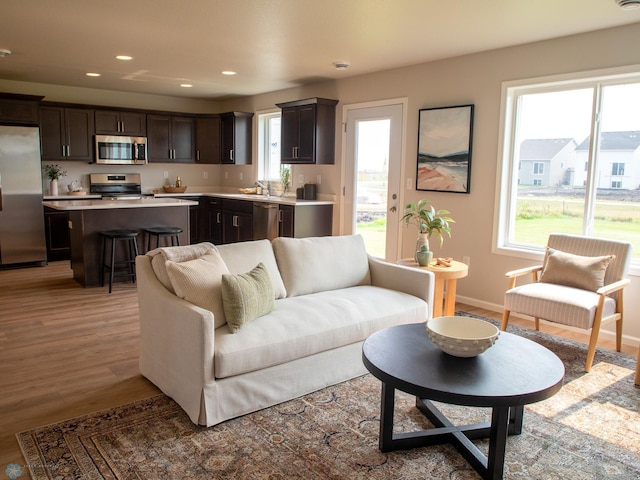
(236, 138)
(299, 221)
(214, 215)
(170, 139)
(237, 220)
(66, 133)
(18, 109)
(56, 227)
(308, 131)
(116, 122)
(208, 148)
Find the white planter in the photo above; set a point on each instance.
(53, 188)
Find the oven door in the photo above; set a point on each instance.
(117, 150)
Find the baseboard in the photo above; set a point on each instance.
(494, 307)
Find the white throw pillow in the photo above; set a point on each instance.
(199, 282)
(182, 253)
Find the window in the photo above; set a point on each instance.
(538, 168)
(269, 146)
(617, 168)
(583, 134)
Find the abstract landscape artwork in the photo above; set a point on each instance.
(444, 149)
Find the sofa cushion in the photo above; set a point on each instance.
(199, 281)
(243, 256)
(159, 257)
(316, 264)
(246, 296)
(308, 324)
(576, 271)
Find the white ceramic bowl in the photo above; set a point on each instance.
(462, 336)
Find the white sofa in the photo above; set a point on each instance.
(329, 297)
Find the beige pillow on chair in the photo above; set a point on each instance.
(586, 273)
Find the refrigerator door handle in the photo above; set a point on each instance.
(0, 191)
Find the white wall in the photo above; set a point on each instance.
(473, 79)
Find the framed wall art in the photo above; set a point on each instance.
(444, 149)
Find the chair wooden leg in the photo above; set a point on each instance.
(505, 320)
(637, 380)
(537, 322)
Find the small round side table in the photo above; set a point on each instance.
(444, 294)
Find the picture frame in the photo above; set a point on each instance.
(445, 137)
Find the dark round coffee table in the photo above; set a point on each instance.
(511, 374)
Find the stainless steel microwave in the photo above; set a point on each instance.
(120, 150)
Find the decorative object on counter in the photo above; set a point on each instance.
(250, 190)
(53, 172)
(174, 189)
(285, 178)
(310, 191)
(74, 186)
(424, 256)
(428, 221)
(178, 181)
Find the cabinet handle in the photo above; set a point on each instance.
(235, 221)
(295, 152)
(218, 217)
(64, 150)
(68, 150)
(231, 154)
(122, 126)
(279, 216)
(198, 155)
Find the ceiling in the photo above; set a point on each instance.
(271, 44)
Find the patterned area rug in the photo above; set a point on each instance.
(589, 430)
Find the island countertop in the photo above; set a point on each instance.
(96, 204)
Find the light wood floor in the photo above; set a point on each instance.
(66, 351)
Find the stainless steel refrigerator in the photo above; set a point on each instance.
(22, 240)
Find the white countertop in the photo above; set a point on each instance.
(99, 204)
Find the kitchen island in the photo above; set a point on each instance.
(87, 218)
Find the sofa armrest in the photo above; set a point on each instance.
(176, 341)
(414, 281)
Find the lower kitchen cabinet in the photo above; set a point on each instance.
(301, 221)
(214, 215)
(237, 221)
(56, 227)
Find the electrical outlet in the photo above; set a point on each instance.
(318, 179)
(205, 175)
(466, 260)
(241, 175)
(409, 183)
(301, 179)
(166, 174)
(226, 175)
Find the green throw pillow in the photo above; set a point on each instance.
(575, 271)
(247, 296)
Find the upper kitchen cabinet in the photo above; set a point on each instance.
(19, 109)
(170, 138)
(208, 147)
(115, 122)
(236, 138)
(66, 133)
(308, 131)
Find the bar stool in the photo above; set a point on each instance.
(132, 251)
(163, 232)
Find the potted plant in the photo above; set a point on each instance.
(54, 172)
(285, 178)
(429, 221)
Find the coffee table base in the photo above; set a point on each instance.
(504, 421)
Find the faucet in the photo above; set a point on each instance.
(267, 187)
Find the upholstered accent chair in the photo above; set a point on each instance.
(637, 380)
(579, 284)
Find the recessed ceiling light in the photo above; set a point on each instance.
(186, 85)
(93, 74)
(228, 72)
(124, 57)
(341, 65)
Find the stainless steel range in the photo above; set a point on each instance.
(117, 186)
